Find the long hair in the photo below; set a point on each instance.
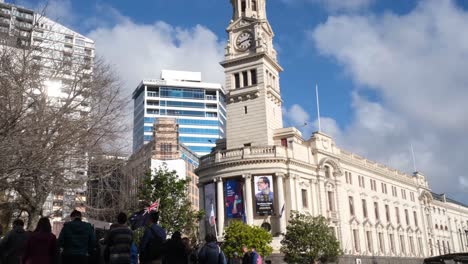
(43, 225)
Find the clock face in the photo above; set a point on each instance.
(244, 41)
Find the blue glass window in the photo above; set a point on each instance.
(197, 140)
(152, 111)
(184, 130)
(148, 138)
(185, 113)
(150, 120)
(200, 149)
(148, 128)
(197, 122)
(184, 104)
(186, 93)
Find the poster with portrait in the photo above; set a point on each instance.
(210, 204)
(234, 199)
(264, 196)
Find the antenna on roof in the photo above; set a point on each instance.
(414, 159)
(318, 108)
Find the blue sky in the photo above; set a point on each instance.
(391, 72)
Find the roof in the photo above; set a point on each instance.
(443, 198)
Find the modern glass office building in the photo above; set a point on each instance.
(199, 108)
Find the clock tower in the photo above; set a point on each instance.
(252, 77)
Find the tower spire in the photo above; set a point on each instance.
(249, 9)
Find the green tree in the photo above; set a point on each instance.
(238, 234)
(176, 212)
(309, 240)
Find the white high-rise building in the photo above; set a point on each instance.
(60, 50)
(198, 107)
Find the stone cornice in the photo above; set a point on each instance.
(251, 58)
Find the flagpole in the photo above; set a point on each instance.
(414, 159)
(318, 108)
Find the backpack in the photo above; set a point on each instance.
(259, 259)
(153, 249)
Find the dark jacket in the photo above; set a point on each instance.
(12, 245)
(148, 236)
(211, 253)
(77, 238)
(246, 258)
(176, 252)
(41, 248)
(119, 243)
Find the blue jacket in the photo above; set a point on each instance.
(148, 236)
(211, 253)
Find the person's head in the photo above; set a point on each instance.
(176, 236)
(122, 218)
(253, 248)
(18, 223)
(154, 217)
(210, 238)
(245, 249)
(263, 183)
(186, 242)
(236, 255)
(43, 225)
(75, 214)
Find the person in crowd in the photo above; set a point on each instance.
(246, 258)
(151, 245)
(176, 252)
(235, 259)
(211, 253)
(134, 254)
(41, 246)
(13, 244)
(77, 239)
(189, 251)
(255, 257)
(119, 242)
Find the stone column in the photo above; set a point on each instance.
(220, 205)
(315, 198)
(298, 192)
(248, 198)
(292, 191)
(281, 215)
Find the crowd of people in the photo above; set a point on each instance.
(77, 243)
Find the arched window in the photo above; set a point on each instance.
(243, 6)
(436, 226)
(254, 5)
(327, 171)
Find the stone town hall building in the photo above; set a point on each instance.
(374, 210)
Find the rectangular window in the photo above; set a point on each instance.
(245, 79)
(397, 213)
(369, 240)
(391, 238)
(438, 247)
(420, 246)
(331, 207)
(376, 211)
(415, 216)
(430, 247)
(443, 247)
(364, 208)
(245, 109)
(284, 142)
(411, 243)
(381, 243)
(412, 196)
(351, 206)
(407, 217)
(237, 80)
(356, 240)
(253, 73)
(373, 185)
(387, 212)
(304, 198)
(402, 244)
(403, 194)
(350, 178)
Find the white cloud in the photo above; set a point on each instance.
(141, 51)
(336, 5)
(417, 64)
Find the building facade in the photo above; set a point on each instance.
(198, 107)
(374, 210)
(164, 150)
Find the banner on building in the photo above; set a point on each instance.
(210, 202)
(264, 196)
(234, 199)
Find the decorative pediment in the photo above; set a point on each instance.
(409, 229)
(400, 228)
(379, 225)
(334, 164)
(426, 197)
(304, 184)
(354, 221)
(390, 227)
(367, 223)
(329, 185)
(240, 23)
